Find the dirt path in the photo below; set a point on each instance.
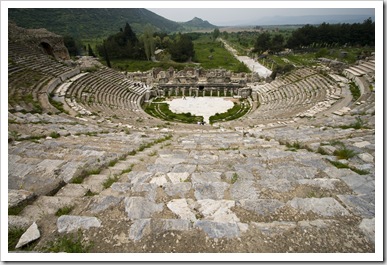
(251, 63)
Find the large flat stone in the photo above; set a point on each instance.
(368, 228)
(214, 190)
(218, 230)
(162, 225)
(141, 208)
(184, 168)
(358, 206)
(99, 204)
(262, 206)
(359, 184)
(15, 221)
(205, 177)
(177, 189)
(136, 177)
(68, 223)
(177, 177)
(183, 208)
(72, 190)
(218, 210)
(139, 228)
(320, 206)
(30, 235)
(17, 197)
(244, 190)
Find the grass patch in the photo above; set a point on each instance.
(162, 111)
(234, 178)
(68, 244)
(110, 181)
(344, 153)
(357, 125)
(355, 91)
(339, 164)
(127, 170)
(64, 211)
(354, 169)
(79, 179)
(54, 135)
(58, 105)
(237, 111)
(14, 235)
(212, 54)
(90, 193)
(112, 163)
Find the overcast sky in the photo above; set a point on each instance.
(230, 16)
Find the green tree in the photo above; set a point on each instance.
(71, 45)
(149, 43)
(215, 34)
(182, 49)
(277, 43)
(262, 43)
(90, 50)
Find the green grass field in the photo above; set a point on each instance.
(211, 54)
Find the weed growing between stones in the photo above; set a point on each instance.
(234, 178)
(89, 193)
(14, 235)
(79, 179)
(357, 125)
(354, 169)
(110, 181)
(64, 210)
(344, 153)
(54, 135)
(68, 244)
(127, 170)
(113, 163)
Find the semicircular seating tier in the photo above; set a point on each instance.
(32, 75)
(104, 92)
(302, 93)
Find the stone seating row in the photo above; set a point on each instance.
(40, 168)
(100, 93)
(28, 58)
(303, 98)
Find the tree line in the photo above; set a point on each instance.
(126, 45)
(323, 35)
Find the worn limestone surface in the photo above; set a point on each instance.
(268, 200)
(271, 181)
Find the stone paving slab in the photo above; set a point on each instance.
(321, 206)
(358, 206)
(262, 207)
(68, 223)
(141, 208)
(17, 197)
(218, 230)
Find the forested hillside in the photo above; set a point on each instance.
(88, 23)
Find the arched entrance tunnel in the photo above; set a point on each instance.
(47, 48)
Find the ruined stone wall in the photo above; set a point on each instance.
(39, 39)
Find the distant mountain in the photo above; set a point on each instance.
(90, 23)
(316, 19)
(197, 24)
